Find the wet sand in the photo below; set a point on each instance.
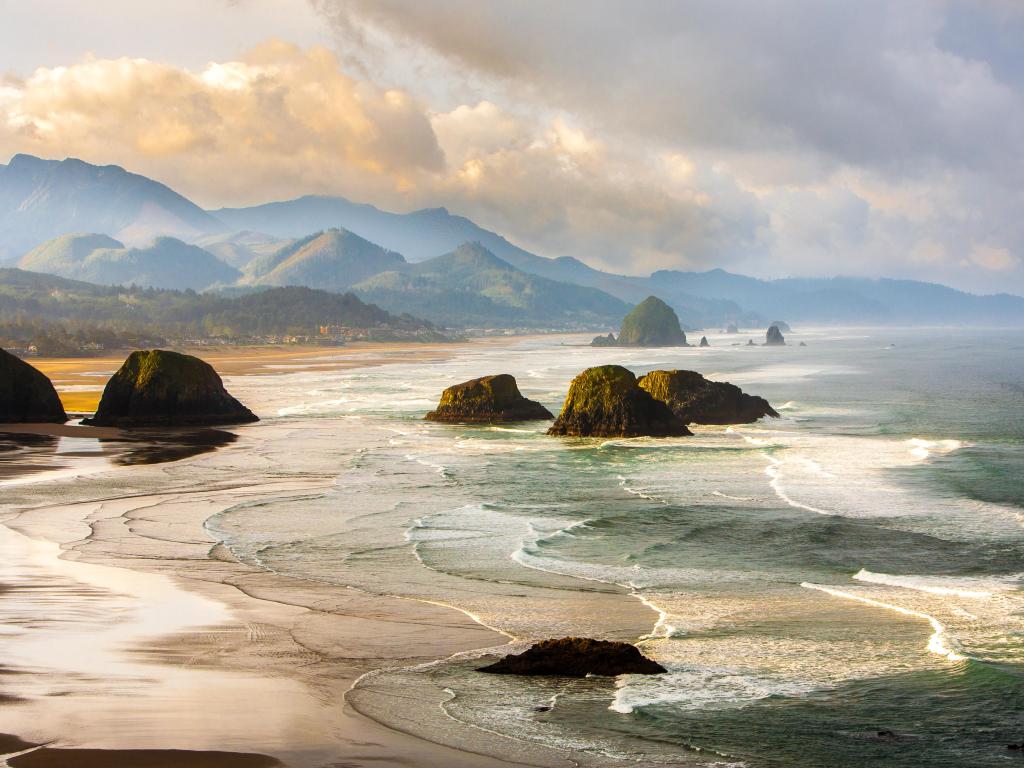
(129, 635)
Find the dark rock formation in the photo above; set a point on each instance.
(774, 337)
(695, 400)
(157, 388)
(803, 343)
(488, 399)
(782, 325)
(607, 402)
(26, 395)
(732, 328)
(604, 341)
(704, 341)
(652, 323)
(750, 343)
(577, 657)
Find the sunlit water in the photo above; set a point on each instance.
(840, 586)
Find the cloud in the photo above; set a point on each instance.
(993, 258)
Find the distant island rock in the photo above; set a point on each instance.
(732, 328)
(782, 325)
(695, 400)
(487, 399)
(26, 395)
(774, 337)
(607, 402)
(704, 341)
(577, 657)
(157, 388)
(651, 323)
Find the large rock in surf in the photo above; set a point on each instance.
(577, 657)
(487, 399)
(607, 402)
(652, 323)
(157, 388)
(695, 400)
(774, 337)
(26, 395)
(704, 341)
(604, 341)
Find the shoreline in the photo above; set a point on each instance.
(321, 639)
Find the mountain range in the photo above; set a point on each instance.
(432, 262)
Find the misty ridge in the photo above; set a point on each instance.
(106, 226)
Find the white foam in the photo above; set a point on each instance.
(935, 585)
(923, 449)
(775, 482)
(936, 643)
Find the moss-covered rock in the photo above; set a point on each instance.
(606, 402)
(577, 657)
(26, 395)
(157, 388)
(487, 399)
(774, 337)
(695, 400)
(652, 323)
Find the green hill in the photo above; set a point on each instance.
(471, 286)
(332, 261)
(652, 323)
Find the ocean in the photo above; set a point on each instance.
(837, 587)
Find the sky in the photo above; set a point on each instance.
(769, 137)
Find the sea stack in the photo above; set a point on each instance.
(704, 341)
(157, 388)
(651, 323)
(487, 399)
(26, 395)
(732, 328)
(774, 337)
(607, 402)
(577, 657)
(695, 400)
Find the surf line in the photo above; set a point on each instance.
(773, 472)
(936, 643)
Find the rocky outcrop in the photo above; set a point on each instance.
(782, 325)
(651, 323)
(607, 402)
(487, 399)
(26, 395)
(604, 341)
(157, 388)
(774, 337)
(577, 657)
(695, 400)
(732, 328)
(704, 341)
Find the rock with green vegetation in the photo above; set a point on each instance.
(651, 323)
(774, 337)
(695, 400)
(26, 395)
(157, 388)
(607, 402)
(485, 400)
(577, 657)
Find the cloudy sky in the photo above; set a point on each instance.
(772, 137)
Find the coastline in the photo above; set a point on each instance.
(265, 647)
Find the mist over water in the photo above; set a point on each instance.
(840, 586)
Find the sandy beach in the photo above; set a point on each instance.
(132, 639)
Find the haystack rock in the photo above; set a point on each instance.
(607, 402)
(157, 388)
(487, 399)
(704, 341)
(695, 400)
(577, 657)
(651, 323)
(26, 395)
(774, 337)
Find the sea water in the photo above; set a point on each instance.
(836, 587)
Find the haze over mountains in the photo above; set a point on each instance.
(104, 225)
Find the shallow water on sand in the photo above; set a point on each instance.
(840, 586)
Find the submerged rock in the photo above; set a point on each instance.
(652, 323)
(704, 341)
(774, 337)
(157, 388)
(487, 399)
(26, 395)
(695, 400)
(607, 402)
(577, 657)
